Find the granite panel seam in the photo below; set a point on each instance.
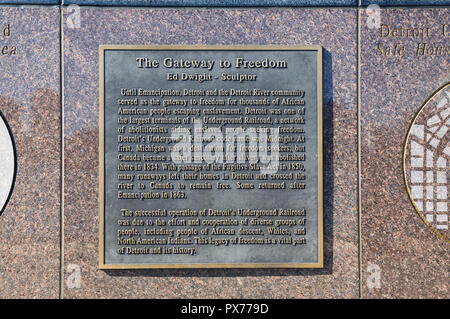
(358, 108)
(62, 159)
(179, 5)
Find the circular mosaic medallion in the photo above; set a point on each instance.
(7, 163)
(426, 158)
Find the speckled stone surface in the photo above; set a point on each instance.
(29, 1)
(29, 100)
(412, 261)
(215, 3)
(406, 2)
(339, 278)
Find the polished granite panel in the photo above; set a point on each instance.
(405, 2)
(401, 256)
(215, 3)
(30, 103)
(29, 2)
(339, 278)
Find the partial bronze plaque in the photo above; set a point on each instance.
(210, 156)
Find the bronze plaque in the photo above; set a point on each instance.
(210, 156)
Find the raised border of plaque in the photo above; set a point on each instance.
(106, 266)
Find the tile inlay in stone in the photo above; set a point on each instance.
(7, 163)
(426, 160)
